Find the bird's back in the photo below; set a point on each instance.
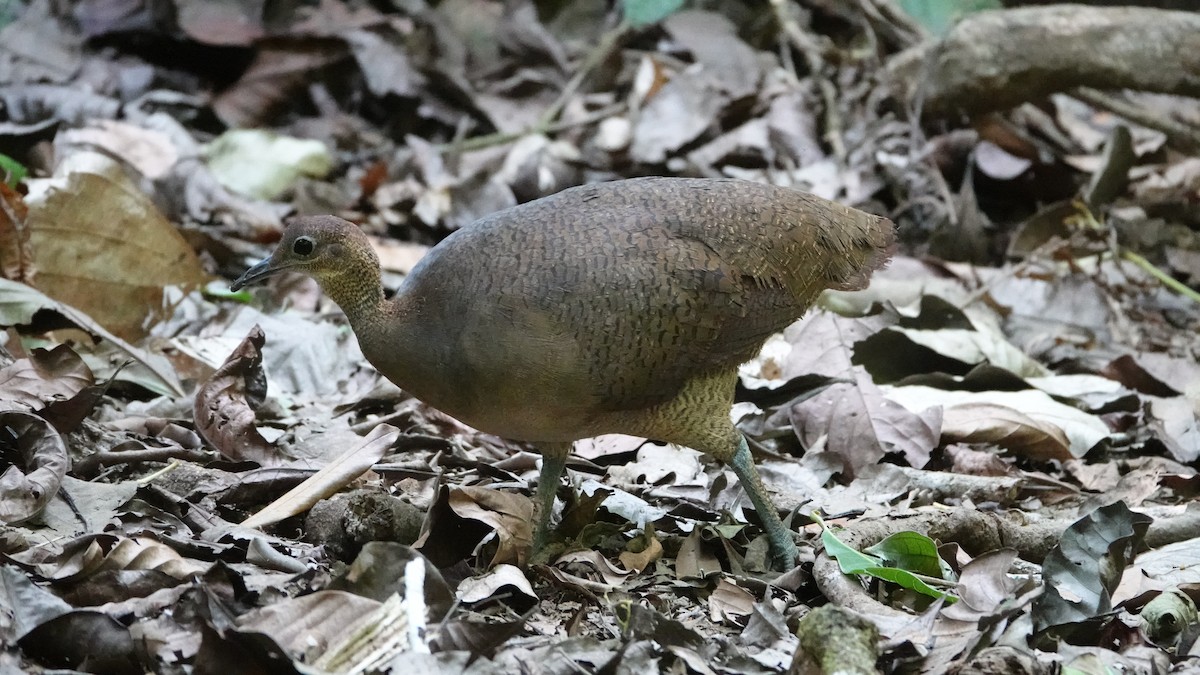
(628, 289)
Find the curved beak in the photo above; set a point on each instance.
(261, 270)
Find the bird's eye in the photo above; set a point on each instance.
(303, 246)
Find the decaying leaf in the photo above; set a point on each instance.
(511, 516)
(101, 245)
(1005, 427)
(45, 377)
(501, 578)
(224, 407)
(1083, 570)
(22, 306)
(1081, 430)
(861, 425)
(39, 462)
(16, 256)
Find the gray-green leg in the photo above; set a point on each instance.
(783, 549)
(554, 461)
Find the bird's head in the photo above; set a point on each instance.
(325, 248)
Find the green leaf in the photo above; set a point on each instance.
(852, 561)
(219, 290)
(11, 171)
(645, 12)
(937, 16)
(910, 551)
(906, 579)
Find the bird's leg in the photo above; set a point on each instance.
(783, 549)
(554, 460)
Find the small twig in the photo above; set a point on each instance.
(814, 58)
(547, 123)
(608, 42)
(502, 137)
(150, 477)
(1181, 135)
(900, 28)
(91, 465)
(803, 42)
(1164, 278)
(1088, 220)
(833, 120)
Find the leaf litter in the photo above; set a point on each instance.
(190, 474)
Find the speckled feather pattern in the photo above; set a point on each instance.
(601, 308)
(660, 280)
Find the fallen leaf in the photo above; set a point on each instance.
(224, 406)
(511, 516)
(101, 245)
(24, 493)
(1005, 427)
(331, 478)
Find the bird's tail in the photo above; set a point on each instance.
(859, 245)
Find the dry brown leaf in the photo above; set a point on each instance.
(861, 425)
(638, 561)
(1006, 427)
(693, 560)
(307, 625)
(101, 245)
(143, 553)
(224, 406)
(280, 68)
(509, 514)
(730, 603)
(16, 256)
(20, 304)
(46, 376)
(91, 554)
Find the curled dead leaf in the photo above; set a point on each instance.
(46, 376)
(43, 453)
(509, 514)
(224, 407)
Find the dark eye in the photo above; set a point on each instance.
(303, 246)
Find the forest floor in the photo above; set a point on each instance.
(989, 457)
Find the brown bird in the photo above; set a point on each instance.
(621, 307)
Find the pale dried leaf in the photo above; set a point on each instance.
(23, 494)
(1005, 427)
(860, 425)
(331, 478)
(46, 376)
(506, 578)
(730, 603)
(1082, 430)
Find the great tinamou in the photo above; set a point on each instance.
(621, 307)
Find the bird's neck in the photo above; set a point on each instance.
(387, 330)
(393, 338)
(357, 288)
